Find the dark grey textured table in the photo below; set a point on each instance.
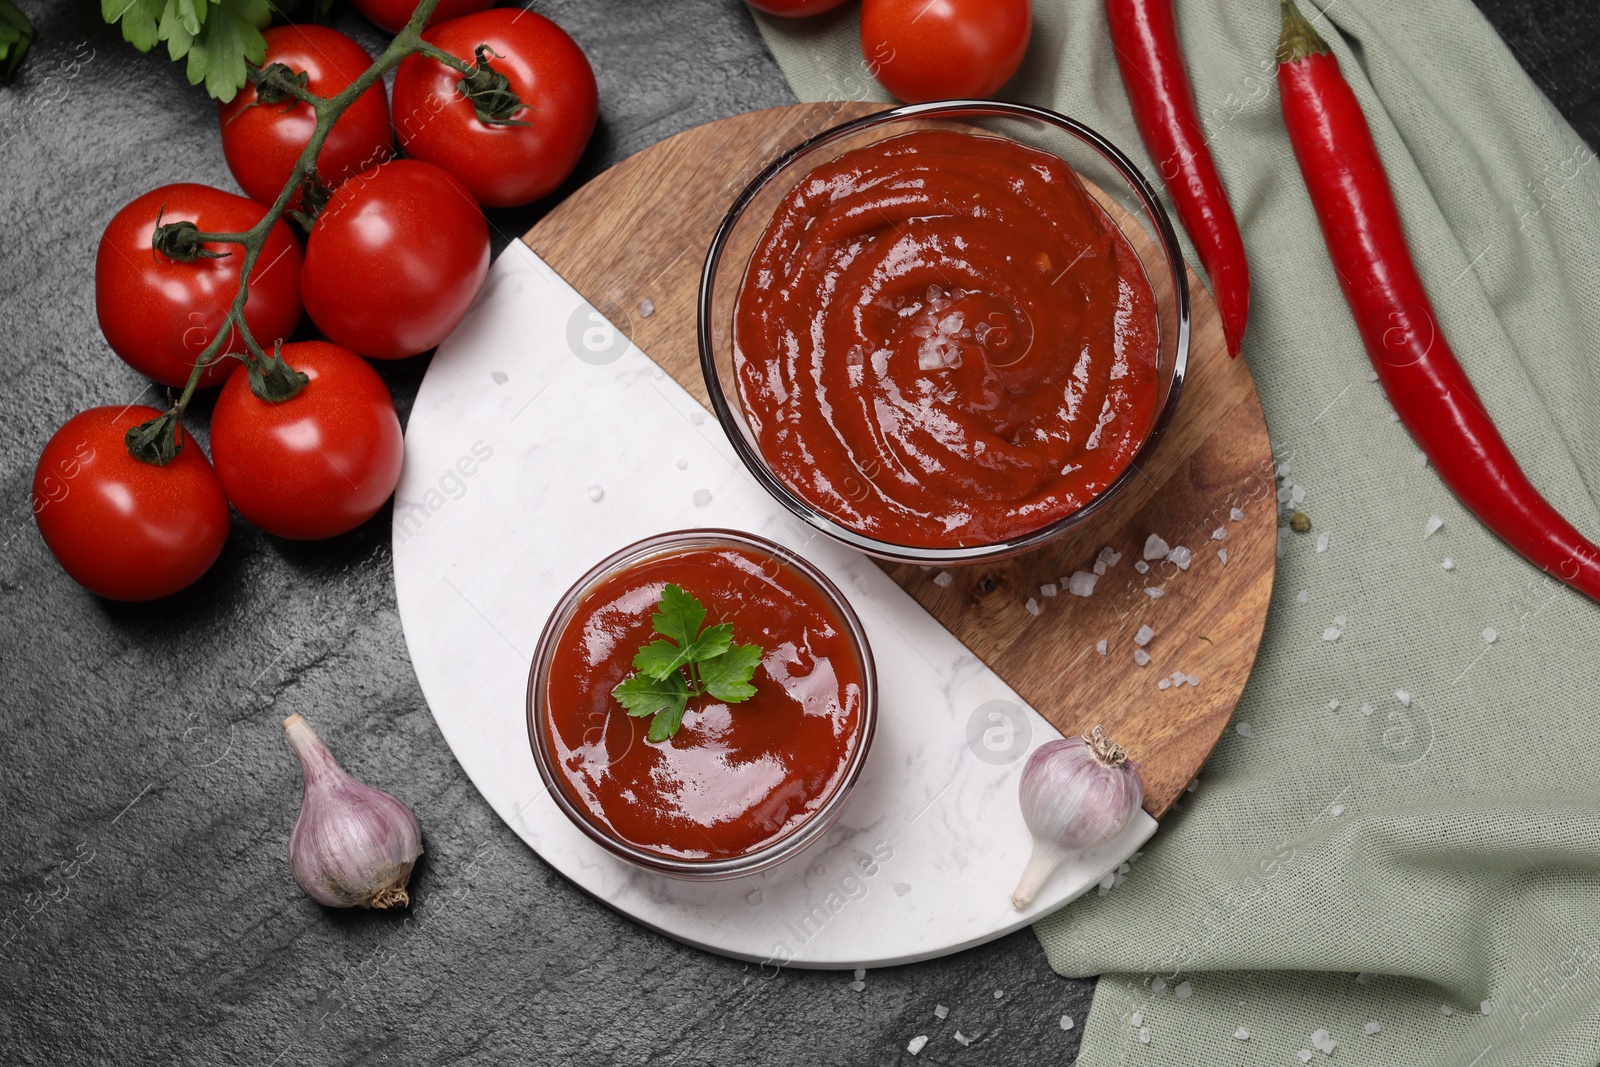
(146, 793)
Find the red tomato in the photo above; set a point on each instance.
(318, 464)
(395, 260)
(391, 15)
(158, 314)
(923, 50)
(502, 165)
(119, 527)
(795, 8)
(262, 141)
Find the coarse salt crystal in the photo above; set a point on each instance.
(1403, 697)
(646, 308)
(1154, 592)
(1165, 683)
(1109, 556)
(1236, 514)
(1141, 566)
(1032, 605)
(1158, 985)
(1323, 1042)
(943, 579)
(1241, 1034)
(861, 973)
(1100, 647)
(1394, 416)
(1365, 976)
(962, 1039)
(1137, 1018)
(1284, 470)
(697, 417)
(1422, 459)
(1141, 657)
(858, 985)
(1371, 1028)
(1194, 783)
(1243, 730)
(1304, 1055)
(1177, 677)
(1331, 633)
(1155, 547)
(1322, 542)
(1333, 705)
(1366, 709)
(1299, 494)
(1107, 882)
(1372, 375)
(1447, 1010)
(1066, 1022)
(1144, 636)
(702, 497)
(683, 464)
(1219, 534)
(1490, 635)
(1222, 554)
(1284, 492)
(596, 493)
(1448, 564)
(1336, 811)
(917, 1044)
(1082, 583)
(1303, 596)
(1183, 990)
(1144, 1035)
(1181, 556)
(1048, 589)
(1099, 568)
(1192, 680)
(1485, 1007)
(999, 994)
(941, 1012)
(1432, 527)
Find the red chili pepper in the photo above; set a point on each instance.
(1426, 384)
(1144, 34)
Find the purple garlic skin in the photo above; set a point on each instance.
(353, 845)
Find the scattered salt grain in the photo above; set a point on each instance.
(1141, 566)
(702, 497)
(1371, 1028)
(596, 493)
(1241, 1034)
(1219, 534)
(1048, 589)
(1304, 1055)
(1183, 990)
(917, 1044)
(1299, 494)
(858, 985)
(1372, 375)
(999, 994)
(1422, 459)
(1302, 597)
(1141, 657)
(1394, 416)
(1177, 677)
(1332, 633)
(1322, 542)
(1432, 527)
(646, 309)
(1137, 1019)
(1194, 783)
(941, 1012)
(1448, 564)
(943, 579)
(1284, 470)
(962, 1039)
(683, 464)
(861, 973)
(1336, 811)
(1107, 882)
(1099, 568)
(1100, 647)
(1109, 556)
(1144, 1035)
(1340, 621)
(1284, 492)
(697, 417)
(1490, 635)
(1032, 605)
(1181, 556)
(1243, 730)
(1403, 697)
(1082, 583)
(1365, 976)
(1333, 705)
(1222, 554)
(1485, 1007)
(1236, 514)
(1158, 986)
(1144, 636)
(1366, 709)
(1165, 683)
(1154, 593)
(1066, 1022)
(1191, 680)
(1323, 1042)
(1446, 1010)
(1155, 547)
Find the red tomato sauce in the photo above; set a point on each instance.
(735, 777)
(943, 340)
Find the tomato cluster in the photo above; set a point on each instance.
(396, 252)
(922, 50)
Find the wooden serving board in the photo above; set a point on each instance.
(639, 233)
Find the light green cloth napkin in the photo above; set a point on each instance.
(1450, 847)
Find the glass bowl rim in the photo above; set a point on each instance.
(756, 464)
(769, 855)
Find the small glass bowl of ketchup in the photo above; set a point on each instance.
(740, 787)
(946, 333)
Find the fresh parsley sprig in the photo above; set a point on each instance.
(689, 662)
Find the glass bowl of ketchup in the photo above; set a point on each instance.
(946, 333)
(741, 785)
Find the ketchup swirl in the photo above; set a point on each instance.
(943, 340)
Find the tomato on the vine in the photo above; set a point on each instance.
(503, 165)
(924, 50)
(392, 15)
(159, 313)
(395, 260)
(121, 528)
(261, 142)
(318, 464)
(795, 8)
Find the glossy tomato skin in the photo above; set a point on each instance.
(395, 260)
(158, 314)
(924, 50)
(795, 8)
(320, 463)
(391, 15)
(121, 528)
(503, 166)
(262, 141)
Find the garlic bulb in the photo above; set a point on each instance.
(1076, 793)
(353, 844)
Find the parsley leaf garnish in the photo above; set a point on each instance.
(688, 663)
